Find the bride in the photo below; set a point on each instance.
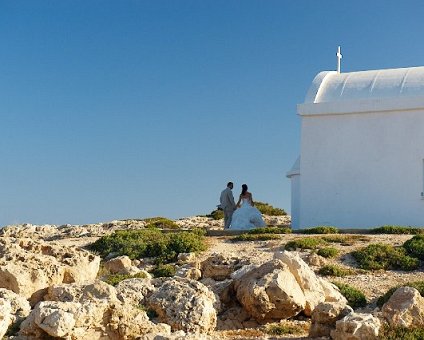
(246, 216)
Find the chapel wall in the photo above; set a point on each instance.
(362, 170)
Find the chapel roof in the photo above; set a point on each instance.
(330, 86)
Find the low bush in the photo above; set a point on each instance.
(216, 214)
(418, 285)
(269, 210)
(401, 333)
(136, 244)
(396, 229)
(160, 223)
(328, 252)
(354, 296)
(345, 239)
(334, 270)
(320, 230)
(271, 230)
(304, 243)
(284, 329)
(384, 256)
(164, 270)
(415, 246)
(114, 279)
(256, 237)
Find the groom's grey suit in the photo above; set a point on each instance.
(228, 205)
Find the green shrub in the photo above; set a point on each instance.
(334, 270)
(401, 333)
(384, 256)
(345, 239)
(164, 270)
(114, 279)
(320, 230)
(304, 243)
(418, 285)
(160, 223)
(328, 252)
(269, 210)
(354, 297)
(271, 230)
(216, 214)
(396, 229)
(256, 237)
(284, 329)
(415, 246)
(149, 243)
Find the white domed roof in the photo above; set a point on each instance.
(330, 86)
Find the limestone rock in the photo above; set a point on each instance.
(315, 260)
(357, 326)
(29, 266)
(405, 308)
(305, 277)
(79, 293)
(324, 317)
(185, 305)
(134, 291)
(95, 313)
(224, 290)
(5, 316)
(121, 265)
(220, 267)
(270, 291)
(331, 292)
(189, 272)
(186, 257)
(13, 308)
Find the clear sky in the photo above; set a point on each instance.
(132, 109)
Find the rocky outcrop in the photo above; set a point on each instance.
(28, 267)
(270, 291)
(282, 288)
(184, 304)
(51, 232)
(405, 308)
(13, 309)
(93, 313)
(220, 267)
(324, 317)
(134, 291)
(121, 265)
(315, 260)
(312, 287)
(357, 326)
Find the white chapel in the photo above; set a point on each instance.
(361, 161)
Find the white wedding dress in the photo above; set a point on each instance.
(246, 217)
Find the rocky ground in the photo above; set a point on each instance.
(233, 290)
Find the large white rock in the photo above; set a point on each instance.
(184, 304)
(324, 317)
(94, 313)
(121, 265)
(357, 326)
(270, 291)
(305, 277)
(405, 308)
(27, 267)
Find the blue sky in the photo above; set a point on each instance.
(132, 109)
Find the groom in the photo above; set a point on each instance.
(227, 204)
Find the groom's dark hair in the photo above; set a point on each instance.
(229, 183)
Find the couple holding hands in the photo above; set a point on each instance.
(240, 215)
